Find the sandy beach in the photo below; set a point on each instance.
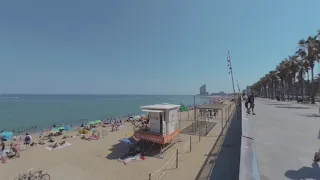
(97, 159)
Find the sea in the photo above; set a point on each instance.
(33, 113)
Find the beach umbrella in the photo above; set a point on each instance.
(61, 128)
(91, 123)
(6, 135)
(98, 121)
(68, 128)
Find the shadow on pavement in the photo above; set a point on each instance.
(310, 115)
(304, 173)
(226, 166)
(289, 107)
(228, 162)
(275, 104)
(279, 104)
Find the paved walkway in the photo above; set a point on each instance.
(286, 138)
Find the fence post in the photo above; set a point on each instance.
(177, 158)
(149, 176)
(190, 143)
(228, 109)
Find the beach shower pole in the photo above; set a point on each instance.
(207, 123)
(231, 73)
(221, 121)
(194, 113)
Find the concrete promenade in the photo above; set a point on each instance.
(286, 138)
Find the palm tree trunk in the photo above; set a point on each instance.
(303, 85)
(312, 87)
(273, 89)
(308, 84)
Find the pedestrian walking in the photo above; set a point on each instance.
(251, 102)
(245, 99)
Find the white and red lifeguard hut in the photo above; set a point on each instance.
(164, 124)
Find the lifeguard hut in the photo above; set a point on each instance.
(164, 124)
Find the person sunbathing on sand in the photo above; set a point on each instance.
(41, 141)
(65, 136)
(62, 143)
(51, 139)
(55, 145)
(33, 144)
(92, 137)
(85, 138)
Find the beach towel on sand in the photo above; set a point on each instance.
(59, 147)
(127, 159)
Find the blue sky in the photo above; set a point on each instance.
(145, 46)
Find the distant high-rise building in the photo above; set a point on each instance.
(203, 90)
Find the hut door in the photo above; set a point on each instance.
(161, 123)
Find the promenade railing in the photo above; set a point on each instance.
(249, 169)
(160, 173)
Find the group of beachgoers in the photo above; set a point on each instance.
(11, 148)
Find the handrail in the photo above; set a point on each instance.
(229, 112)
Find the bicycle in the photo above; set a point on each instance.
(41, 176)
(38, 175)
(104, 133)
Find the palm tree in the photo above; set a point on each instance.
(273, 77)
(282, 72)
(309, 51)
(293, 68)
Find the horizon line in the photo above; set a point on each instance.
(93, 94)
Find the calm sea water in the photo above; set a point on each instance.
(25, 111)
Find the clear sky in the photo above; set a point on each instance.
(145, 46)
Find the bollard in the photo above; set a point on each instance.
(177, 158)
(206, 127)
(199, 135)
(149, 176)
(190, 143)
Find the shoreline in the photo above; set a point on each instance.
(39, 130)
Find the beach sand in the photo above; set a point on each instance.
(97, 159)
